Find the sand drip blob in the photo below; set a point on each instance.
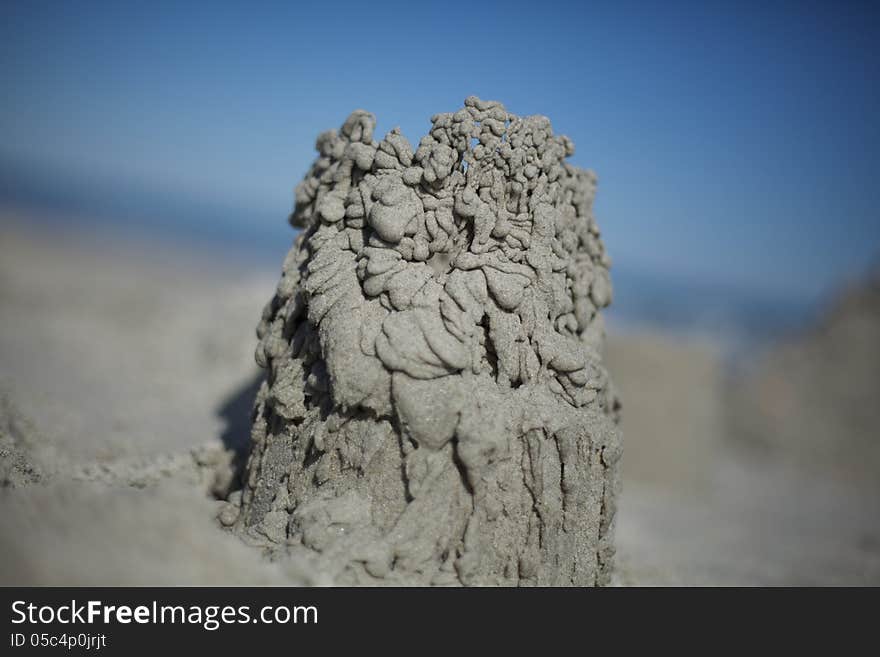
(436, 410)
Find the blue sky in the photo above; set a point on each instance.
(736, 143)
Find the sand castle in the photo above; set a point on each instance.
(436, 410)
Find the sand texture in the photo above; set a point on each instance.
(128, 381)
(436, 410)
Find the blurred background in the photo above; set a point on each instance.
(148, 154)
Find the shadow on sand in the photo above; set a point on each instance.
(237, 411)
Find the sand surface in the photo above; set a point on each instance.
(126, 380)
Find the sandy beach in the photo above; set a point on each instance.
(126, 386)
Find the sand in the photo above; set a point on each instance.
(436, 408)
(127, 379)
